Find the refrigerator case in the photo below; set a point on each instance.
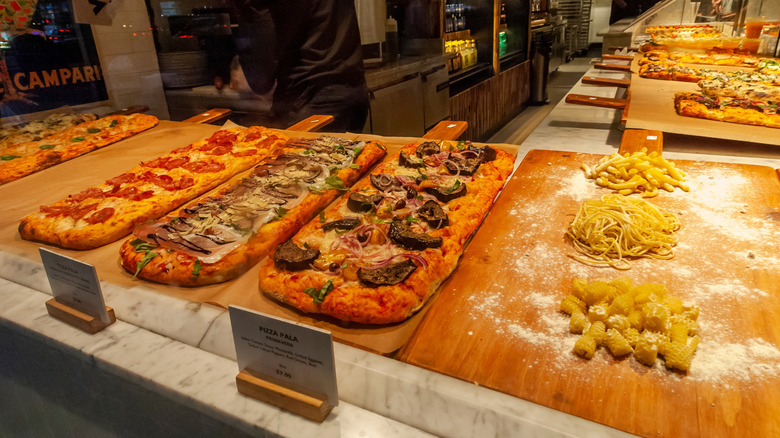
(436, 95)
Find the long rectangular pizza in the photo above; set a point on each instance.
(382, 251)
(109, 211)
(219, 237)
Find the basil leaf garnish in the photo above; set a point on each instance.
(144, 261)
(196, 269)
(319, 295)
(454, 187)
(141, 245)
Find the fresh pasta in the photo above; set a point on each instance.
(637, 172)
(657, 324)
(608, 230)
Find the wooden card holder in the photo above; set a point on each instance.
(88, 323)
(252, 385)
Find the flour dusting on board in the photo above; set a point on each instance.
(717, 219)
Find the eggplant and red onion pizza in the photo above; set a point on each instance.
(379, 253)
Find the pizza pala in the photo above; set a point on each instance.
(712, 57)
(381, 251)
(726, 109)
(691, 31)
(36, 130)
(29, 157)
(217, 238)
(672, 71)
(106, 212)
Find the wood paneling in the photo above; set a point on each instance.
(491, 103)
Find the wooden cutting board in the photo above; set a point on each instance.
(496, 322)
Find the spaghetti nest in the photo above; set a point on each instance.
(608, 230)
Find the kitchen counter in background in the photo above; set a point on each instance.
(250, 108)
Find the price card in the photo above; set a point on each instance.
(75, 283)
(291, 354)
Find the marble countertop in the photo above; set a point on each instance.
(184, 350)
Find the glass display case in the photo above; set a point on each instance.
(749, 25)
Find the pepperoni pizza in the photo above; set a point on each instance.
(104, 213)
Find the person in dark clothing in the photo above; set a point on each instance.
(310, 51)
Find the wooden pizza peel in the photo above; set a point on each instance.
(607, 102)
(652, 106)
(494, 321)
(52, 185)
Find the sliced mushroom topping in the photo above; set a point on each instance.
(427, 148)
(388, 275)
(402, 235)
(345, 224)
(293, 258)
(485, 153)
(432, 213)
(460, 165)
(304, 171)
(384, 182)
(283, 191)
(360, 203)
(447, 194)
(405, 160)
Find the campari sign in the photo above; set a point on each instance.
(50, 61)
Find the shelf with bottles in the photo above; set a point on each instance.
(455, 16)
(466, 55)
(512, 42)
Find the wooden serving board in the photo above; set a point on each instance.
(26, 195)
(496, 321)
(652, 107)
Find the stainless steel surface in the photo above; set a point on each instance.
(397, 109)
(436, 95)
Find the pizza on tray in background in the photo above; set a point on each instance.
(383, 250)
(26, 158)
(11, 135)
